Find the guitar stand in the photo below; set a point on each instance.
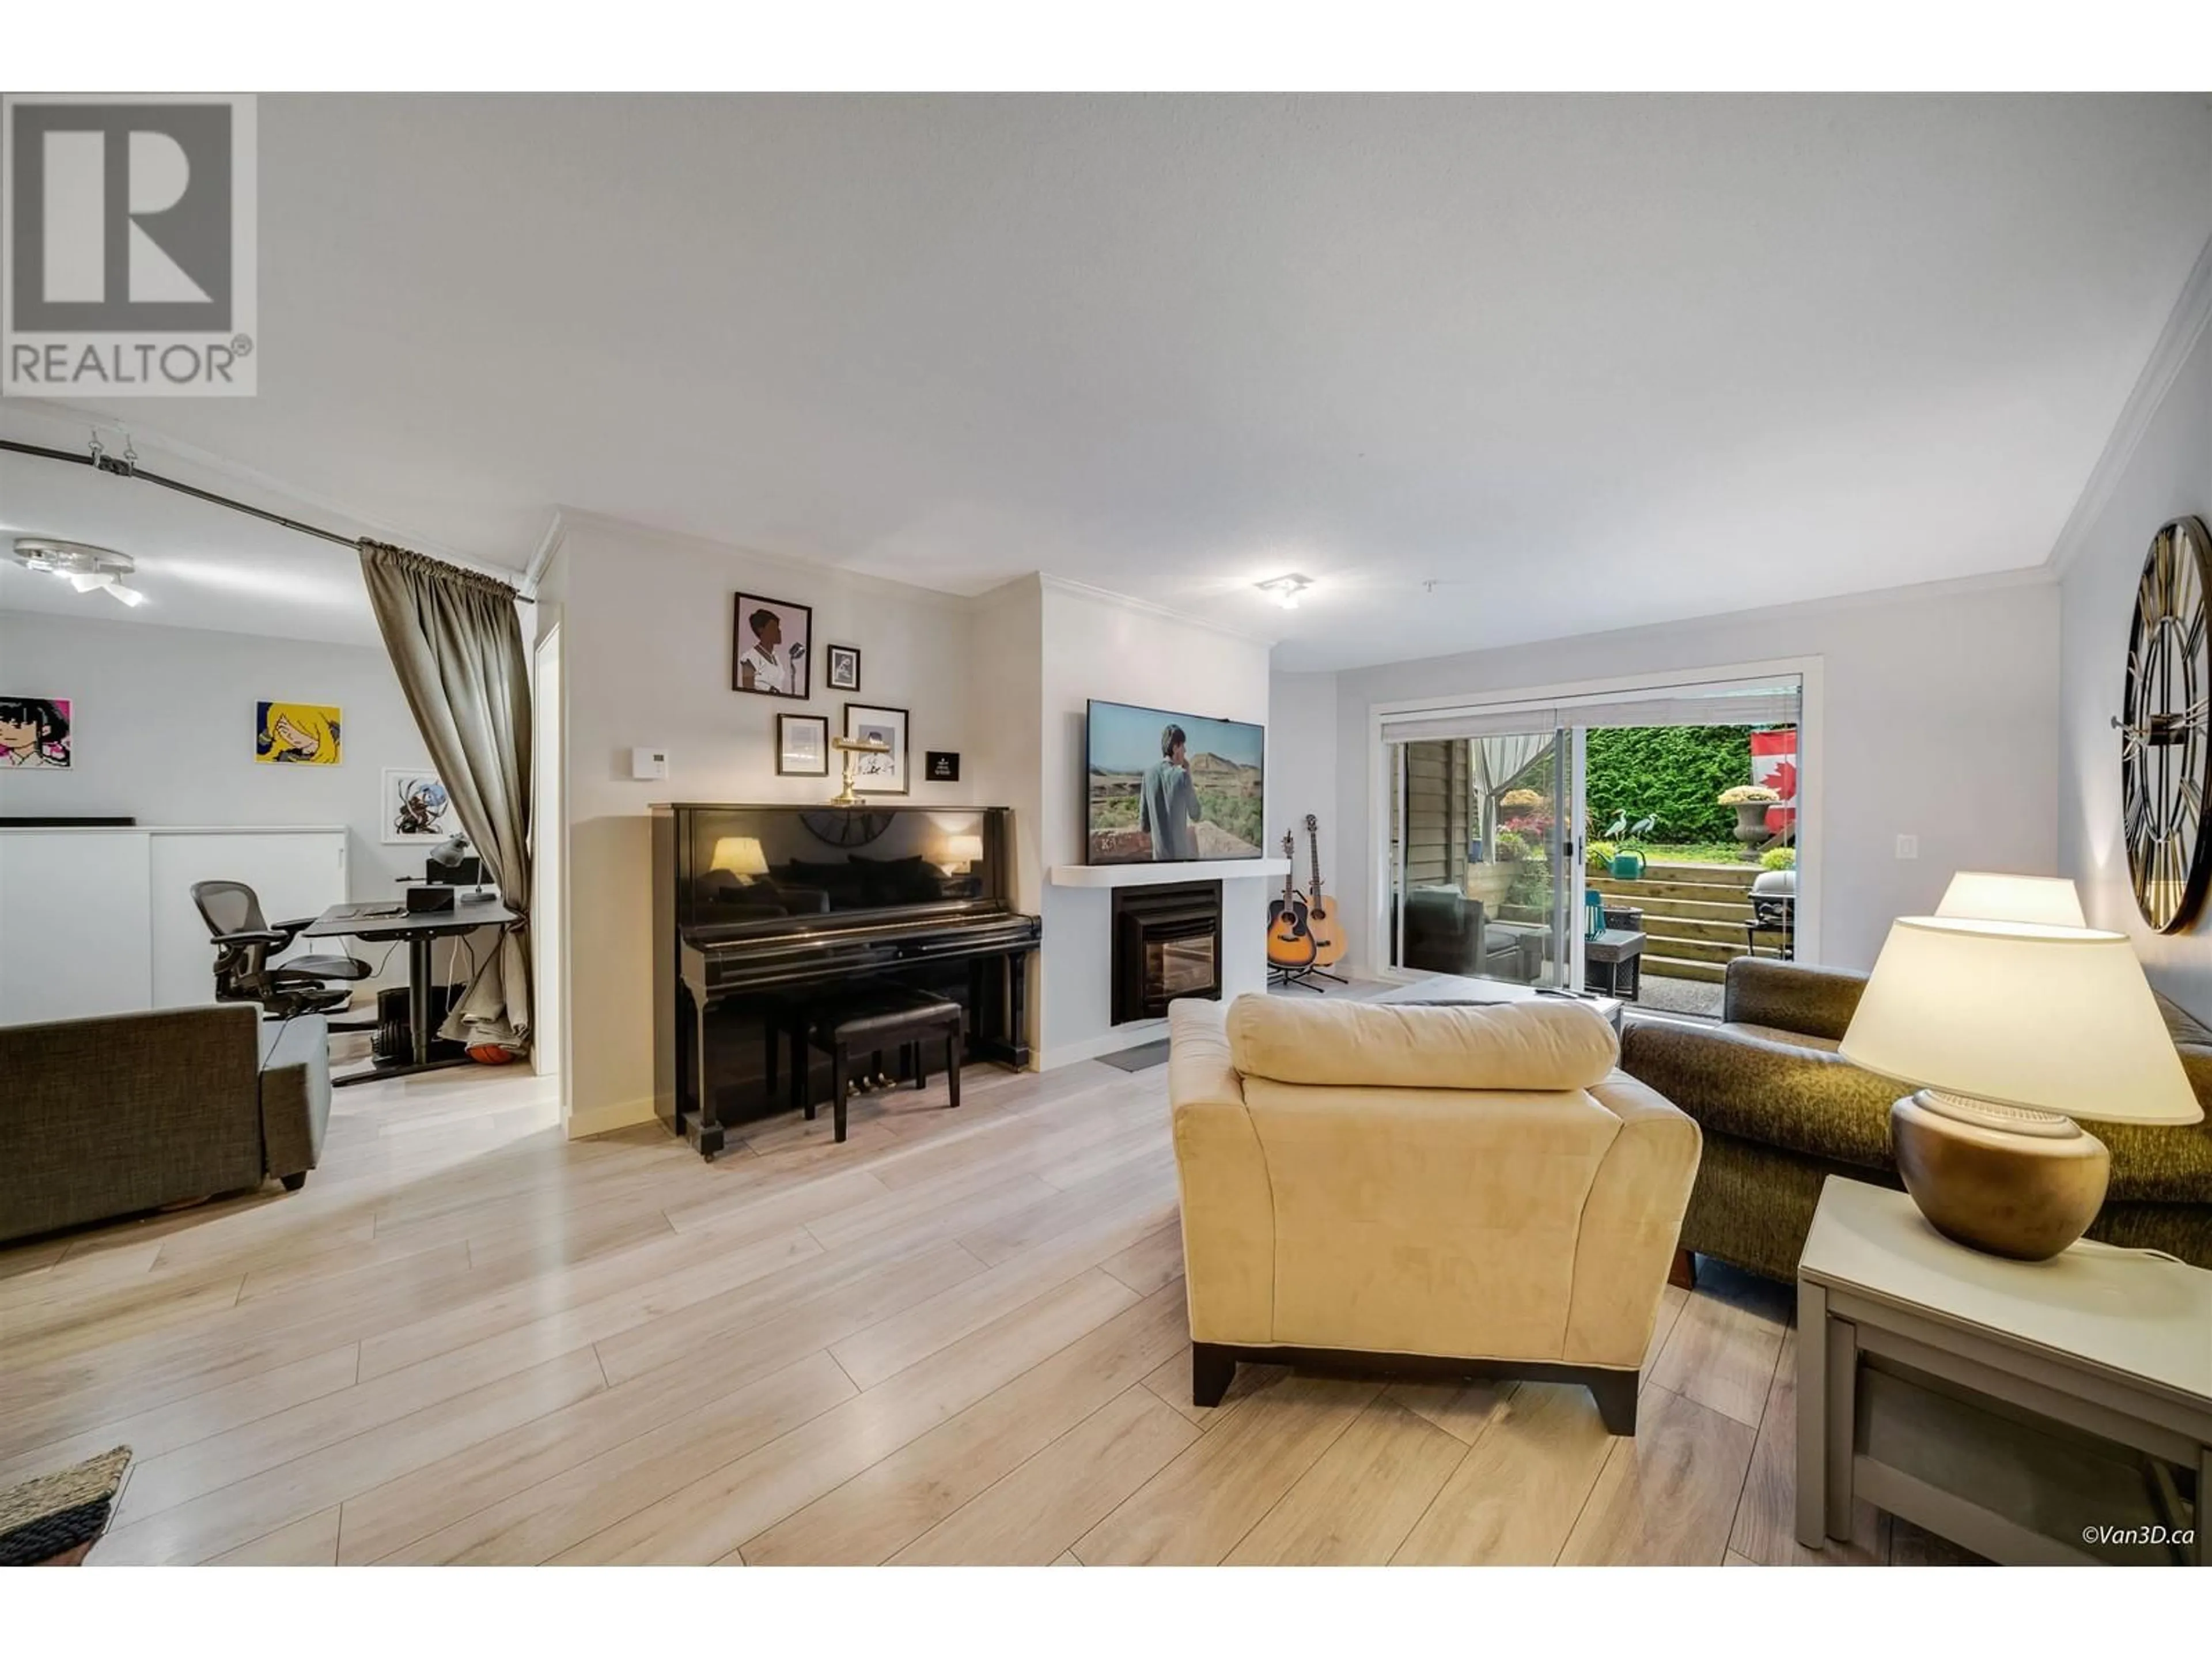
(1303, 978)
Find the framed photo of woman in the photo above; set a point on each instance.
(769, 643)
(843, 674)
(878, 775)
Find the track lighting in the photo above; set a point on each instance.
(83, 566)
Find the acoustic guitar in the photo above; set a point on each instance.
(1322, 921)
(1290, 941)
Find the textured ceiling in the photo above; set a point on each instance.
(1581, 362)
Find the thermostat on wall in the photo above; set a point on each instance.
(646, 763)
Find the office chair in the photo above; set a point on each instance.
(244, 942)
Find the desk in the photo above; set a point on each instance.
(2028, 1410)
(421, 929)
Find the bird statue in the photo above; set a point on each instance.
(1642, 827)
(1617, 828)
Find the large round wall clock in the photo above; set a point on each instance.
(2164, 738)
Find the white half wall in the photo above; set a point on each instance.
(646, 629)
(1098, 645)
(1301, 772)
(163, 732)
(1939, 719)
(2168, 475)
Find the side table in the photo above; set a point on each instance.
(1613, 963)
(2044, 1412)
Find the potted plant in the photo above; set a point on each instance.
(1751, 801)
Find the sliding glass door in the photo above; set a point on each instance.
(1688, 807)
(1483, 864)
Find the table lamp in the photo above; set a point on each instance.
(741, 856)
(960, 853)
(2011, 1030)
(1985, 895)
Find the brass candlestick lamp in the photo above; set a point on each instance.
(853, 749)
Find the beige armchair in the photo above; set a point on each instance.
(1470, 1191)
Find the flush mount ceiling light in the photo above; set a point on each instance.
(83, 566)
(1285, 590)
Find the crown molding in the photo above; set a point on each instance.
(1865, 599)
(548, 545)
(573, 520)
(2185, 326)
(1148, 607)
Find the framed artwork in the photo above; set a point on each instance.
(416, 806)
(802, 746)
(878, 775)
(770, 641)
(843, 674)
(297, 734)
(34, 734)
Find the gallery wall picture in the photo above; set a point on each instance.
(802, 746)
(416, 806)
(843, 670)
(770, 640)
(878, 775)
(34, 733)
(297, 734)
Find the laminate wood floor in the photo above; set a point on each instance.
(959, 1337)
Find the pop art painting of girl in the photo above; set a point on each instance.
(296, 734)
(34, 731)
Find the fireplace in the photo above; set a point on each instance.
(1167, 944)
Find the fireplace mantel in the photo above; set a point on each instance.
(1153, 875)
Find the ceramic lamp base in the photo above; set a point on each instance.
(2003, 1179)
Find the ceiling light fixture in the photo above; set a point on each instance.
(1285, 590)
(83, 566)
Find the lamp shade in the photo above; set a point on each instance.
(2057, 1019)
(1986, 896)
(741, 856)
(961, 851)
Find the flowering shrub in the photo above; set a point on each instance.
(1513, 798)
(1745, 793)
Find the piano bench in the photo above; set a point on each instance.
(886, 1019)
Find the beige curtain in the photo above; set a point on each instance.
(457, 645)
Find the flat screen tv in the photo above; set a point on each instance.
(1162, 787)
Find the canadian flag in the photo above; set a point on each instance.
(1774, 764)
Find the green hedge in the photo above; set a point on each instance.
(1672, 771)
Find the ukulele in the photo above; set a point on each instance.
(1290, 943)
(1321, 912)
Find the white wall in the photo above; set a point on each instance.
(1302, 771)
(1939, 720)
(646, 630)
(163, 732)
(1095, 646)
(2168, 475)
(1006, 689)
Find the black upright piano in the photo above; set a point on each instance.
(760, 912)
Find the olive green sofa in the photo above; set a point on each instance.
(119, 1114)
(1782, 1111)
